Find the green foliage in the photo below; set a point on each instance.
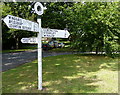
(55, 16)
(92, 22)
(94, 26)
(89, 24)
(11, 37)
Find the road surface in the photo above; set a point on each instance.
(12, 60)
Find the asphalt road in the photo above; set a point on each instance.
(12, 60)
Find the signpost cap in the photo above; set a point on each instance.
(39, 9)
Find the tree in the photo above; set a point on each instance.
(19, 9)
(95, 26)
(92, 24)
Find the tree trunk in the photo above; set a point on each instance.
(97, 50)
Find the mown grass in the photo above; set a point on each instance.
(24, 48)
(16, 50)
(64, 49)
(65, 74)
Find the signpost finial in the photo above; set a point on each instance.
(39, 9)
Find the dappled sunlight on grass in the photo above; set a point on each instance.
(48, 83)
(114, 65)
(78, 60)
(109, 81)
(65, 74)
(57, 64)
(80, 71)
(70, 77)
(23, 88)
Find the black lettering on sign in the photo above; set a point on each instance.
(10, 21)
(13, 26)
(25, 40)
(19, 27)
(65, 35)
(9, 17)
(12, 18)
(53, 35)
(15, 22)
(26, 28)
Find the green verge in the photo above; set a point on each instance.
(24, 48)
(15, 50)
(65, 49)
(65, 74)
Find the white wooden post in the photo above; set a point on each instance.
(39, 55)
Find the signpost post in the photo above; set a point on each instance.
(38, 7)
(39, 55)
(19, 23)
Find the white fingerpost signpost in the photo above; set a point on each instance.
(22, 24)
(39, 10)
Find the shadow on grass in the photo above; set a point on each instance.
(69, 73)
(101, 61)
(61, 74)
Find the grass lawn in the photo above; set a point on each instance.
(15, 50)
(64, 49)
(61, 50)
(24, 48)
(65, 74)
